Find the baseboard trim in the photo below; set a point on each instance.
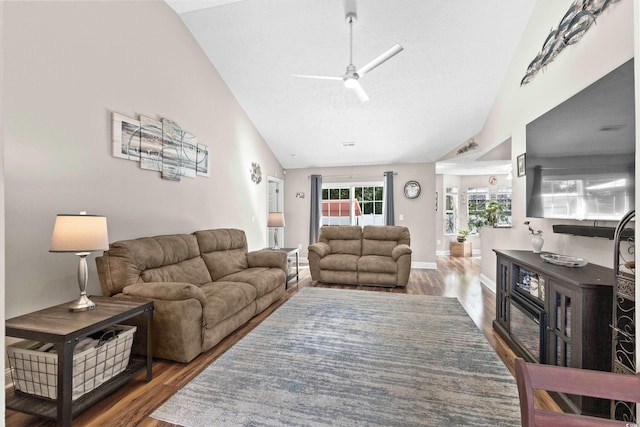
(443, 253)
(490, 284)
(424, 265)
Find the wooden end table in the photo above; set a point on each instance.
(64, 329)
(290, 253)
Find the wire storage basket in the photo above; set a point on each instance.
(34, 370)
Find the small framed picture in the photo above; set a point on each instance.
(521, 164)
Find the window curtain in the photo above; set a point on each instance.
(389, 214)
(316, 208)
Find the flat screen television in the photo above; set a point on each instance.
(580, 156)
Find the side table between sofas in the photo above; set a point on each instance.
(291, 252)
(64, 329)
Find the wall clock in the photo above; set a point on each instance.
(412, 189)
(493, 180)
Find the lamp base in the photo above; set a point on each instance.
(82, 304)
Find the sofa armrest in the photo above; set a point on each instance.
(400, 250)
(167, 291)
(268, 258)
(320, 248)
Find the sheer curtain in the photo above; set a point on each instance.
(389, 214)
(316, 208)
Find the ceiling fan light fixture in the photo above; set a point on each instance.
(353, 74)
(350, 82)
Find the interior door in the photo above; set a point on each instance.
(275, 203)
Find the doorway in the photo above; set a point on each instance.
(275, 203)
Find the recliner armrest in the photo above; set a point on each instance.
(167, 291)
(400, 250)
(267, 258)
(320, 248)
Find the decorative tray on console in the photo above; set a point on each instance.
(564, 260)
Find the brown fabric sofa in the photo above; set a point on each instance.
(373, 255)
(204, 285)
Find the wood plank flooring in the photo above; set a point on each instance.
(132, 404)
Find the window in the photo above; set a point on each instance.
(451, 211)
(503, 196)
(353, 204)
(479, 197)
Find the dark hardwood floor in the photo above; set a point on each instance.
(132, 404)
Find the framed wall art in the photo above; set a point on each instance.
(522, 164)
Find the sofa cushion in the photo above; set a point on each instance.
(343, 239)
(224, 251)
(224, 299)
(263, 279)
(378, 240)
(339, 262)
(377, 264)
(387, 232)
(192, 270)
(126, 260)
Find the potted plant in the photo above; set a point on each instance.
(462, 235)
(536, 238)
(494, 213)
(491, 216)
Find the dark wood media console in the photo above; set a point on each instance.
(556, 315)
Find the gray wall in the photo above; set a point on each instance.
(67, 67)
(418, 214)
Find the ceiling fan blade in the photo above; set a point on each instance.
(380, 59)
(306, 76)
(359, 91)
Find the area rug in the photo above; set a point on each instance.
(354, 358)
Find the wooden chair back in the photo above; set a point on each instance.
(583, 382)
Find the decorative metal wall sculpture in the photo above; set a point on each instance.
(471, 144)
(256, 173)
(159, 146)
(572, 26)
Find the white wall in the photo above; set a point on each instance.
(604, 47)
(463, 182)
(419, 214)
(67, 67)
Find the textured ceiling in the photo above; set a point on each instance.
(424, 102)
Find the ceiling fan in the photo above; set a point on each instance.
(352, 76)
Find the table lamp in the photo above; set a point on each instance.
(276, 220)
(80, 234)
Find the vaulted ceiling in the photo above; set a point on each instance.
(424, 102)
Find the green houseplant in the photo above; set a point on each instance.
(462, 235)
(491, 216)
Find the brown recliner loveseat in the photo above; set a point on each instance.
(204, 285)
(369, 255)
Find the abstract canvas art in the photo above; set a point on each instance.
(161, 146)
(150, 144)
(202, 162)
(126, 137)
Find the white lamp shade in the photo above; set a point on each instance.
(79, 233)
(276, 219)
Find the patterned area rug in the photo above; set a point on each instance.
(351, 358)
